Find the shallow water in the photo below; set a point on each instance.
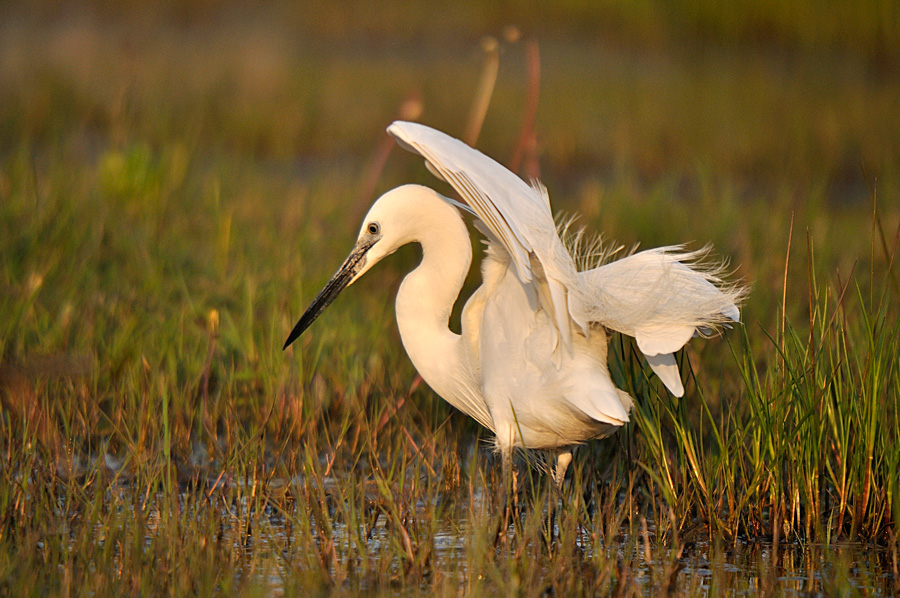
(704, 568)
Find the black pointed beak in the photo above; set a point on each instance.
(343, 277)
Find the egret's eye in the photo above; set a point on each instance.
(374, 228)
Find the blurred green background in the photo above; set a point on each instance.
(178, 179)
(764, 98)
(162, 159)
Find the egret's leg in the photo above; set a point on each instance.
(508, 468)
(505, 492)
(501, 496)
(505, 444)
(563, 458)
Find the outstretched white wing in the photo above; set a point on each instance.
(517, 215)
(662, 297)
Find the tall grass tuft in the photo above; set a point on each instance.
(808, 450)
(173, 188)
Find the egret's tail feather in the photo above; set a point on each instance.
(661, 291)
(662, 297)
(588, 250)
(664, 366)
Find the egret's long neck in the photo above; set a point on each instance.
(426, 298)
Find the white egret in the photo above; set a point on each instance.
(531, 361)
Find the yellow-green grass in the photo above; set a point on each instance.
(176, 183)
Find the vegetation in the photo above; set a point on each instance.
(176, 181)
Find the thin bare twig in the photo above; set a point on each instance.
(484, 91)
(525, 146)
(410, 109)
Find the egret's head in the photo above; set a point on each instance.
(395, 219)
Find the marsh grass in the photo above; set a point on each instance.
(161, 225)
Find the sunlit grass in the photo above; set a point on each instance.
(169, 204)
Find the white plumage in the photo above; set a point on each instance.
(530, 363)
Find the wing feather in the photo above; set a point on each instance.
(517, 214)
(662, 296)
(664, 366)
